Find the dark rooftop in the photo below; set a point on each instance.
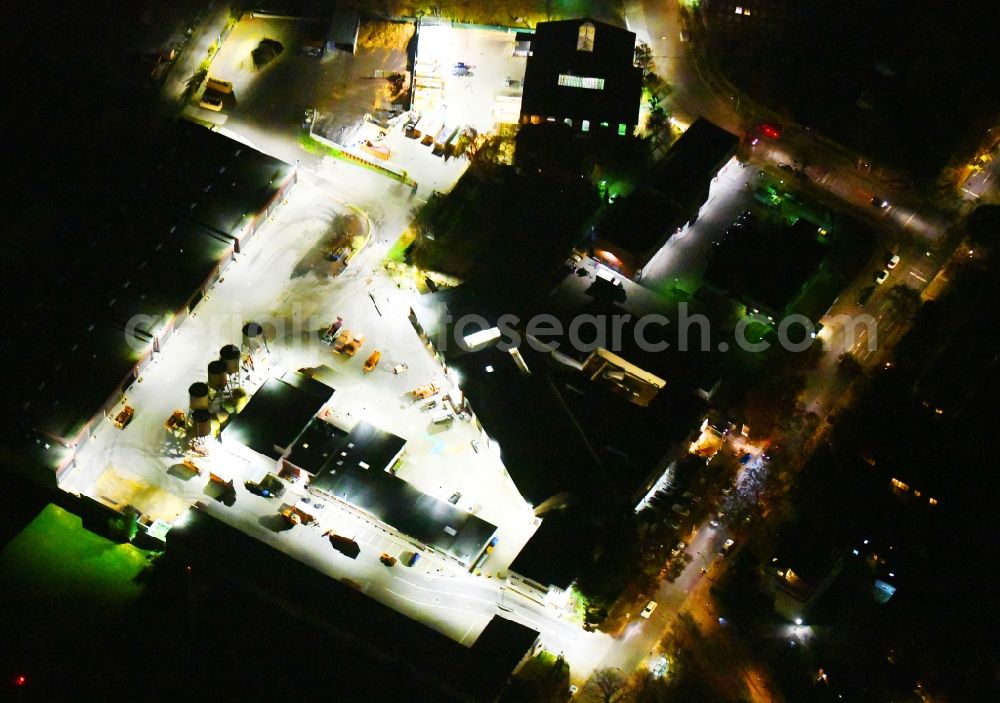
(671, 195)
(684, 174)
(366, 633)
(561, 545)
(146, 250)
(766, 264)
(277, 414)
(640, 221)
(608, 62)
(355, 467)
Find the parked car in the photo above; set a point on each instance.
(879, 202)
(211, 102)
(892, 261)
(658, 668)
(648, 610)
(372, 361)
(352, 347)
(881, 276)
(124, 417)
(454, 498)
(387, 559)
(678, 548)
(475, 445)
(866, 293)
(341, 341)
(727, 547)
(424, 391)
(218, 86)
(399, 368)
(680, 510)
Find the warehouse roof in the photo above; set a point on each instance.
(278, 413)
(355, 467)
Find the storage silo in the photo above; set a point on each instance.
(230, 356)
(217, 376)
(253, 336)
(202, 422)
(198, 395)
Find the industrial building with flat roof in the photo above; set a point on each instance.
(277, 414)
(582, 73)
(355, 467)
(668, 199)
(136, 268)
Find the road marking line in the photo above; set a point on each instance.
(432, 605)
(919, 278)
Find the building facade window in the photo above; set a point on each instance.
(581, 82)
(585, 37)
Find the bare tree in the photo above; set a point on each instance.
(608, 686)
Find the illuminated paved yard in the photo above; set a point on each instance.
(684, 257)
(439, 459)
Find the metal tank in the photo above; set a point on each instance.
(202, 422)
(217, 376)
(230, 356)
(253, 336)
(198, 395)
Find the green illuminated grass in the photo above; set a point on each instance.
(396, 251)
(55, 559)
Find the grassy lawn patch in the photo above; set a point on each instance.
(54, 558)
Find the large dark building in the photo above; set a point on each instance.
(582, 73)
(138, 266)
(670, 198)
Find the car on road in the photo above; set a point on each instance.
(399, 368)
(879, 202)
(387, 559)
(454, 498)
(308, 116)
(771, 131)
(787, 167)
(648, 610)
(881, 276)
(892, 261)
(573, 688)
